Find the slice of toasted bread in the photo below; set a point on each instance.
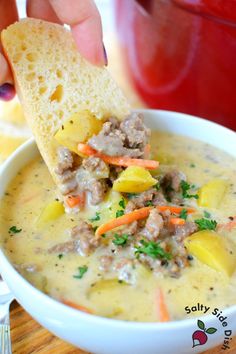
(54, 81)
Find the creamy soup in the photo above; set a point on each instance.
(178, 263)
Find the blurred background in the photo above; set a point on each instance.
(178, 55)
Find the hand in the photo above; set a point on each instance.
(81, 15)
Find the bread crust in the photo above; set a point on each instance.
(53, 81)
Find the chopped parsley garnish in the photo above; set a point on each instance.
(14, 230)
(149, 203)
(120, 240)
(131, 195)
(207, 214)
(119, 213)
(96, 218)
(192, 165)
(103, 235)
(157, 186)
(152, 249)
(82, 270)
(60, 256)
(122, 203)
(183, 214)
(206, 224)
(185, 186)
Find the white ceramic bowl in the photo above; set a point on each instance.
(108, 336)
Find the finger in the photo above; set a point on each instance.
(41, 9)
(85, 22)
(5, 72)
(8, 15)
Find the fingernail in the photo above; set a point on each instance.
(105, 55)
(7, 92)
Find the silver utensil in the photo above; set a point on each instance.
(6, 298)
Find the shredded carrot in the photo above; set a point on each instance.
(177, 221)
(136, 215)
(174, 209)
(162, 307)
(123, 220)
(125, 161)
(76, 306)
(86, 150)
(72, 201)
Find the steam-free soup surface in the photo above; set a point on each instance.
(79, 279)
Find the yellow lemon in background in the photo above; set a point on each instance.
(12, 112)
(8, 144)
(13, 129)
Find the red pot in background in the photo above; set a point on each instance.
(181, 54)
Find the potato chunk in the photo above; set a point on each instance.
(142, 272)
(78, 129)
(106, 210)
(213, 250)
(134, 179)
(112, 203)
(110, 206)
(106, 285)
(106, 294)
(211, 194)
(51, 212)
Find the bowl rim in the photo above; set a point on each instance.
(95, 319)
